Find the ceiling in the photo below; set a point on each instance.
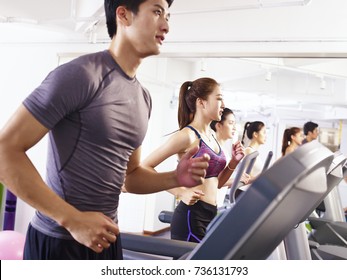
(196, 21)
(301, 44)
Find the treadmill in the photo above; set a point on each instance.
(278, 199)
(260, 219)
(298, 244)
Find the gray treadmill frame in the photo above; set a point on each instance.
(280, 198)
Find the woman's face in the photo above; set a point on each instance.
(214, 105)
(227, 129)
(261, 135)
(298, 138)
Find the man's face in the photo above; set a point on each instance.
(149, 27)
(314, 133)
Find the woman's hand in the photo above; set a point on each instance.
(190, 197)
(237, 151)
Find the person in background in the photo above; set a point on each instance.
(225, 130)
(256, 133)
(87, 107)
(292, 139)
(311, 132)
(200, 103)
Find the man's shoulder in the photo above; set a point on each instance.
(92, 66)
(90, 59)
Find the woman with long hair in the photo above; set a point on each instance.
(256, 133)
(225, 130)
(292, 139)
(200, 103)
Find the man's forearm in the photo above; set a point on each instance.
(143, 180)
(19, 175)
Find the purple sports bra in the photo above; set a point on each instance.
(217, 162)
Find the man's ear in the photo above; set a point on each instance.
(123, 15)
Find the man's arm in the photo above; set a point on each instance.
(19, 175)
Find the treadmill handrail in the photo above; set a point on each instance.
(246, 161)
(247, 231)
(267, 161)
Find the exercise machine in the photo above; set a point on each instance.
(246, 230)
(297, 243)
(247, 164)
(329, 233)
(238, 187)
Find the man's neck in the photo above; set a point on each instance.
(124, 58)
(309, 138)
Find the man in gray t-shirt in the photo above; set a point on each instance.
(96, 113)
(87, 145)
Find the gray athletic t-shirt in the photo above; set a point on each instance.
(97, 117)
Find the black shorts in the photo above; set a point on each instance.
(39, 246)
(189, 223)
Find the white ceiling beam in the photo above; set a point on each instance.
(307, 49)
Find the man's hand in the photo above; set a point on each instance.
(191, 171)
(93, 229)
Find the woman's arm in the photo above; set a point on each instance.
(237, 155)
(143, 178)
(177, 144)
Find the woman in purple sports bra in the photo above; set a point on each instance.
(200, 103)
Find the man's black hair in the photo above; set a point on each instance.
(110, 12)
(309, 126)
